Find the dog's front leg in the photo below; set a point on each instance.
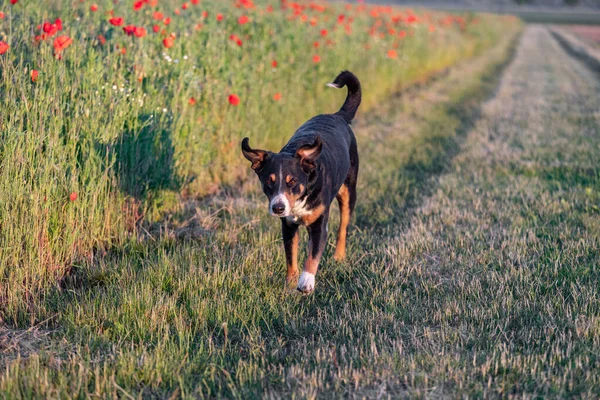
(289, 232)
(317, 239)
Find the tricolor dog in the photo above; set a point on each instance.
(319, 163)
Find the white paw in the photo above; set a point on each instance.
(306, 283)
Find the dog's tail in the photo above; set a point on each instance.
(347, 78)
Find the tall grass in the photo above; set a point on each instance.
(112, 124)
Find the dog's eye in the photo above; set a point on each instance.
(292, 182)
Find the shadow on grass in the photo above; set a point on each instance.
(144, 158)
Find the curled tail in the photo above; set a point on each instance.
(347, 78)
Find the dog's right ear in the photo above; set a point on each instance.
(255, 156)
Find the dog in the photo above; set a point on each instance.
(319, 163)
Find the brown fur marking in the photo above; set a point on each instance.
(314, 215)
(343, 198)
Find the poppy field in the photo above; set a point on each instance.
(136, 254)
(114, 112)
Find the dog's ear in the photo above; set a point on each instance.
(309, 153)
(255, 156)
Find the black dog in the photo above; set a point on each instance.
(319, 162)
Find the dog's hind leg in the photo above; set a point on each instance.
(346, 198)
(343, 198)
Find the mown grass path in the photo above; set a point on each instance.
(472, 268)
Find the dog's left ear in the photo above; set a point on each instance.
(255, 156)
(309, 153)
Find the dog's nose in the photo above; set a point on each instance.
(278, 208)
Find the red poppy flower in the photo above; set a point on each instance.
(219, 17)
(123, 50)
(138, 5)
(13, 1)
(129, 29)
(58, 23)
(61, 43)
(392, 54)
(274, 63)
(177, 12)
(2, 15)
(101, 39)
(204, 14)
(234, 100)
(167, 21)
(156, 28)
(316, 45)
(139, 31)
(94, 7)
(195, 2)
(117, 21)
(316, 58)
(243, 20)
(157, 15)
(185, 6)
(324, 32)
(168, 42)
(192, 101)
(269, 8)
(73, 196)
(277, 96)
(402, 34)
(34, 75)
(3, 47)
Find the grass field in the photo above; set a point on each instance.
(473, 255)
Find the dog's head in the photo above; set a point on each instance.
(284, 177)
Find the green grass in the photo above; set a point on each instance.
(118, 129)
(194, 305)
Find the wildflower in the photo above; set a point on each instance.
(2, 15)
(219, 17)
(185, 6)
(277, 96)
(234, 100)
(192, 101)
(129, 29)
(316, 58)
(243, 20)
(177, 12)
(157, 15)
(167, 21)
(316, 45)
(138, 5)
(392, 54)
(34, 75)
(139, 31)
(94, 7)
(168, 42)
(156, 28)
(118, 21)
(73, 196)
(13, 1)
(101, 39)
(274, 63)
(204, 14)
(61, 43)
(3, 47)
(324, 32)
